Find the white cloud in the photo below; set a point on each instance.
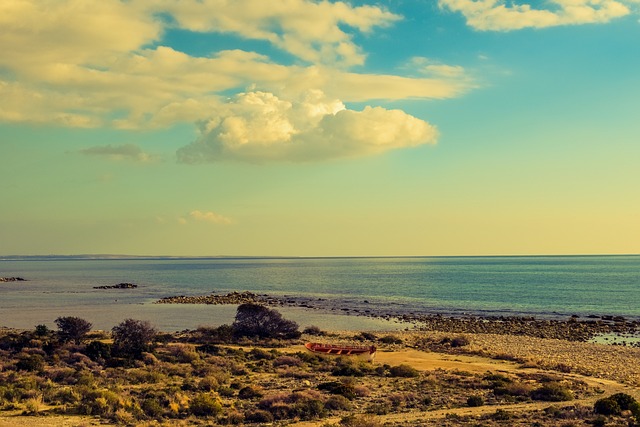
(307, 29)
(103, 64)
(67, 66)
(211, 217)
(497, 15)
(119, 152)
(258, 127)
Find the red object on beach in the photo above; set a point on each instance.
(340, 350)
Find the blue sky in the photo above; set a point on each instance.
(304, 128)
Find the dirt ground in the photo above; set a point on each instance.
(421, 360)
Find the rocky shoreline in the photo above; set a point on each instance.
(571, 329)
(118, 286)
(12, 279)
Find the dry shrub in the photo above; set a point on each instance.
(361, 390)
(359, 421)
(305, 405)
(338, 403)
(123, 417)
(61, 375)
(404, 371)
(287, 361)
(250, 392)
(205, 405)
(209, 383)
(33, 405)
(183, 353)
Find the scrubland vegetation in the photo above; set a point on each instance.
(245, 373)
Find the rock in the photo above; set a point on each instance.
(12, 279)
(118, 286)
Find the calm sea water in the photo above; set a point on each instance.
(540, 286)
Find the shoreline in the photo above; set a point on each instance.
(572, 328)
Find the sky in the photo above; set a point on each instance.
(319, 128)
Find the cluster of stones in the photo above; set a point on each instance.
(571, 330)
(118, 286)
(12, 279)
(231, 298)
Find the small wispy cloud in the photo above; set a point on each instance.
(499, 15)
(119, 152)
(211, 217)
(436, 69)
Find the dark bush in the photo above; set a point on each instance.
(152, 408)
(338, 403)
(221, 334)
(474, 401)
(72, 329)
(390, 339)
(31, 363)
(250, 392)
(347, 370)
(552, 392)
(344, 389)
(313, 330)
(133, 337)
(258, 416)
(41, 330)
(607, 406)
(460, 341)
(404, 371)
(625, 401)
(366, 336)
(98, 351)
(254, 320)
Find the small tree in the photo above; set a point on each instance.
(72, 328)
(257, 320)
(133, 337)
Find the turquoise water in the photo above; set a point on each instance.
(539, 286)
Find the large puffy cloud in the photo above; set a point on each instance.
(495, 15)
(258, 127)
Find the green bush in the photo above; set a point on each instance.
(616, 403)
(552, 392)
(152, 408)
(205, 405)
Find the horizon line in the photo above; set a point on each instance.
(125, 257)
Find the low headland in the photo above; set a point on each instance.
(443, 371)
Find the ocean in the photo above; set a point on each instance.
(540, 286)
